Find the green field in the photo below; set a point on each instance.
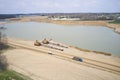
(115, 22)
(12, 75)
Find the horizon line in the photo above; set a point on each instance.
(60, 13)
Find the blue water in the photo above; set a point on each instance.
(95, 38)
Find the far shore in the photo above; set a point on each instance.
(45, 19)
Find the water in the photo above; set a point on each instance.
(87, 37)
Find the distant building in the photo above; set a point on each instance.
(63, 18)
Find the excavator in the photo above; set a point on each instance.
(36, 43)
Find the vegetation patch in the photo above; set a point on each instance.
(115, 22)
(3, 62)
(5, 46)
(12, 75)
(97, 52)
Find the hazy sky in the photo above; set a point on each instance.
(54, 6)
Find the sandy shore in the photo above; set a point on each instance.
(116, 27)
(34, 61)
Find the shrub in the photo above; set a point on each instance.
(3, 62)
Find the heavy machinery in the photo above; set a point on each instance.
(36, 43)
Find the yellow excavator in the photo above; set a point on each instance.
(36, 43)
(45, 41)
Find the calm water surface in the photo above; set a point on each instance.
(87, 37)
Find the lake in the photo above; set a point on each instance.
(95, 38)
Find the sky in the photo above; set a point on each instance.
(59, 6)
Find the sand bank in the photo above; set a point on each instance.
(116, 27)
(42, 66)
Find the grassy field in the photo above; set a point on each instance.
(115, 22)
(12, 75)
